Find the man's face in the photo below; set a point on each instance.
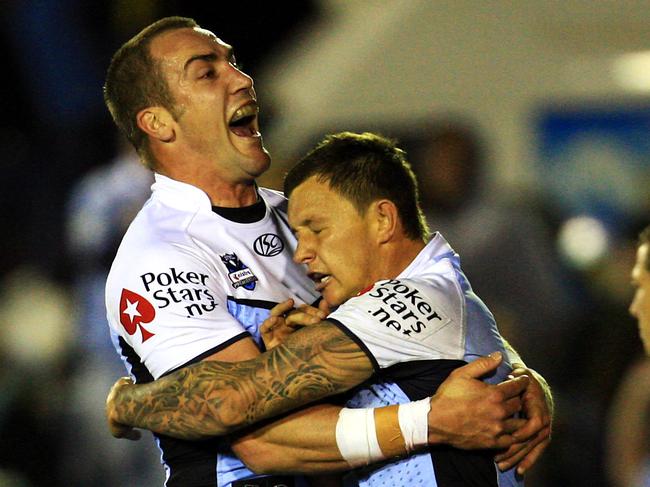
(640, 307)
(334, 241)
(215, 103)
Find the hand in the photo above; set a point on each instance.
(468, 413)
(117, 429)
(284, 320)
(535, 435)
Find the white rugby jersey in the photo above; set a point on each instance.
(186, 283)
(416, 329)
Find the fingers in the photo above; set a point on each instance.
(269, 324)
(303, 316)
(534, 426)
(282, 308)
(125, 432)
(522, 454)
(480, 367)
(133, 435)
(324, 306)
(513, 455)
(117, 429)
(532, 457)
(513, 387)
(513, 424)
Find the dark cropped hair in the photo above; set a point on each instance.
(364, 168)
(644, 238)
(135, 81)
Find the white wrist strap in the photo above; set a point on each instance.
(413, 421)
(404, 432)
(356, 437)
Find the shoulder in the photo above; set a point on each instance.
(153, 247)
(274, 198)
(412, 307)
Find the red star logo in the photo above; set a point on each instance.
(135, 310)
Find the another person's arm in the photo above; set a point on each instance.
(215, 398)
(628, 426)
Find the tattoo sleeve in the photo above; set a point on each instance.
(213, 398)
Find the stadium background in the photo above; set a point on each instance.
(543, 106)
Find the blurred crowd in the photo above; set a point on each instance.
(568, 318)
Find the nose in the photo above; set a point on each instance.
(241, 80)
(303, 253)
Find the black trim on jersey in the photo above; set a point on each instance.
(257, 303)
(246, 214)
(191, 463)
(138, 369)
(357, 340)
(420, 378)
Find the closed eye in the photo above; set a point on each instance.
(210, 73)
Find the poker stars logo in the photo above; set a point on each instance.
(403, 308)
(134, 311)
(180, 292)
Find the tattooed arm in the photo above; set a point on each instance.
(214, 398)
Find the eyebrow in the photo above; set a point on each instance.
(209, 57)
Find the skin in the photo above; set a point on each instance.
(208, 89)
(325, 224)
(628, 417)
(640, 306)
(215, 398)
(195, 145)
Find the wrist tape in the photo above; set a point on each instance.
(365, 436)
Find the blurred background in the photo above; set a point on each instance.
(527, 123)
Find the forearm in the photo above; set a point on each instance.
(303, 442)
(213, 398)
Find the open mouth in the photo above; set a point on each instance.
(242, 123)
(321, 280)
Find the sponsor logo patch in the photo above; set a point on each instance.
(268, 245)
(401, 306)
(238, 273)
(135, 310)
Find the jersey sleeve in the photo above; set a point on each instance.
(168, 307)
(405, 320)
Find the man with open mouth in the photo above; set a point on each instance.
(208, 257)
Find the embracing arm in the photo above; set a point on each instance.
(214, 398)
(303, 442)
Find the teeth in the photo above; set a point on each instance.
(246, 111)
(325, 279)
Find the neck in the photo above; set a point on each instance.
(398, 255)
(222, 190)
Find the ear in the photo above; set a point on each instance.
(157, 123)
(386, 219)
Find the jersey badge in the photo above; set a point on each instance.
(268, 245)
(135, 310)
(239, 274)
